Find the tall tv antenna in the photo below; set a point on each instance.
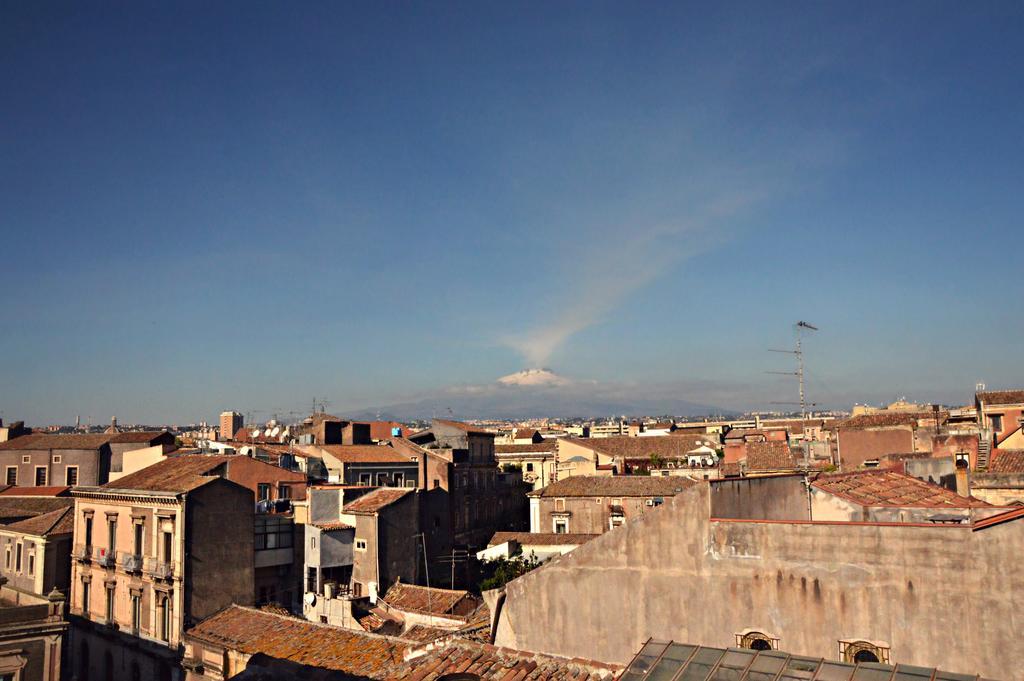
(800, 327)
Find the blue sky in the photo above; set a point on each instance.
(245, 205)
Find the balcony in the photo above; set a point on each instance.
(158, 569)
(129, 562)
(82, 553)
(103, 557)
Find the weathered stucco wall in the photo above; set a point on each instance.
(782, 497)
(944, 596)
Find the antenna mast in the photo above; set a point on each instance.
(799, 373)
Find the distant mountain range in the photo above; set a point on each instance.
(535, 393)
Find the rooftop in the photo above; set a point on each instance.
(176, 474)
(422, 599)
(491, 663)
(364, 453)
(1001, 397)
(628, 447)
(667, 661)
(883, 420)
(540, 538)
(60, 521)
(35, 492)
(548, 446)
(884, 487)
(615, 486)
(288, 638)
(376, 500)
(44, 441)
(771, 455)
(336, 525)
(1007, 461)
(17, 508)
(465, 427)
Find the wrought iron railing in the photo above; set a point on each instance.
(81, 552)
(158, 569)
(129, 562)
(104, 557)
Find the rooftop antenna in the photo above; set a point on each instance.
(799, 373)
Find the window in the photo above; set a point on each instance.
(166, 547)
(756, 640)
(399, 479)
(273, 532)
(110, 603)
(284, 492)
(17, 559)
(263, 491)
(437, 483)
(12, 475)
(382, 479)
(112, 534)
(85, 597)
(71, 476)
(88, 530)
(137, 544)
(136, 612)
(863, 651)
(996, 421)
(164, 618)
(40, 476)
(26, 459)
(56, 458)
(561, 526)
(364, 479)
(7, 559)
(311, 579)
(529, 467)
(32, 563)
(360, 544)
(560, 505)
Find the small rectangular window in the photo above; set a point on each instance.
(110, 604)
(12, 475)
(284, 492)
(71, 476)
(56, 458)
(17, 559)
(85, 598)
(360, 544)
(263, 491)
(26, 459)
(31, 564)
(364, 479)
(40, 476)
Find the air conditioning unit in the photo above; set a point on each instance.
(649, 502)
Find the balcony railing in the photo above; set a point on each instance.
(104, 557)
(82, 552)
(129, 562)
(158, 569)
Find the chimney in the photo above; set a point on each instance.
(963, 485)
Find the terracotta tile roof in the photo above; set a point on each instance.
(423, 634)
(381, 430)
(540, 538)
(371, 622)
(332, 526)
(627, 447)
(364, 453)
(730, 469)
(376, 500)
(903, 418)
(1001, 397)
(465, 427)
(137, 436)
(43, 441)
(773, 455)
(17, 508)
(35, 492)
(616, 486)
(883, 487)
(176, 474)
(1007, 461)
(547, 446)
(491, 663)
(525, 433)
(742, 433)
(429, 600)
(61, 521)
(253, 631)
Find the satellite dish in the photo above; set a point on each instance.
(266, 433)
(275, 431)
(310, 598)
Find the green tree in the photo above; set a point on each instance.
(501, 571)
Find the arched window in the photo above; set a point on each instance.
(863, 651)
(756, 640)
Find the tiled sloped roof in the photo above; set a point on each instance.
(35, 492)
(890, 488)
(381, 430)
(332, 526)
(773, 455)
(61, 441)
(136, 436)
(25, 507)
(376, 500)
(364, 453)
(540, 538)
(61, 521)
(175, 474)
(1001, 396)
(1007, 461)
(465, 427)
(525, 433)
(412, 598)
(424, 634)
(904, 418)
(491, 663)
(288, 638)
(741, 433)
(616, 486)
(540, 448)
(628, 447)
